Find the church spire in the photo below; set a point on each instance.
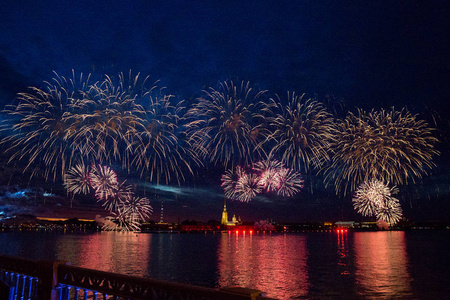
(224, 213)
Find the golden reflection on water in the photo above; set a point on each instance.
(125, 253)
(269, 263)
(382, 264)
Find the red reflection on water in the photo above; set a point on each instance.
(125, 253)
(265, 262)
(342, 243)
(382, 264)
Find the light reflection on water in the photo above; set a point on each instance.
(353, 265)
(382, 264)
(125, 253)
(274, 264)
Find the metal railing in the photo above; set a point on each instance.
(46, 280)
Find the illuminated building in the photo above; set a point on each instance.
(345, 224)
(225, 221)
(224, 214)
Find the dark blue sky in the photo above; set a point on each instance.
(370, 54)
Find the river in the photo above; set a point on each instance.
(314, 265)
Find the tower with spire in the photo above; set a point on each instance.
(234, 221)
(224, 213)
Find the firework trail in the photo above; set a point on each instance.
(394, 146)
(226, 124)
(301, 132)
(374, 198)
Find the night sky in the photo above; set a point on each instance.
(366, 54)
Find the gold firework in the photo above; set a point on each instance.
(392, 146)
(301, 132)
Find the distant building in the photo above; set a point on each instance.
(225, 221)
(345, 224)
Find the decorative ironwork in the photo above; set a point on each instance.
(20, 286)
(56, 280)
(129, 287)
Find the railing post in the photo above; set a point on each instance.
(47, 288)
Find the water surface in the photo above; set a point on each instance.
(353, 265)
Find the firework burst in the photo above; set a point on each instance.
(247, 187)
(126, 222)
(128, 210)
(225, 124)
(42, 130)
(109, 117)
(302, 132)
(290, 182)
(390, 212)
(268, 175)
(269, 171)
(117, 196)
(374, 198)
(137, 208)
(394, 146)
(110, 225)
(72, 120)
(370, 196)
(104, 181)
(157, 146)
(229, 181)
(132, 212)
(76, 179)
